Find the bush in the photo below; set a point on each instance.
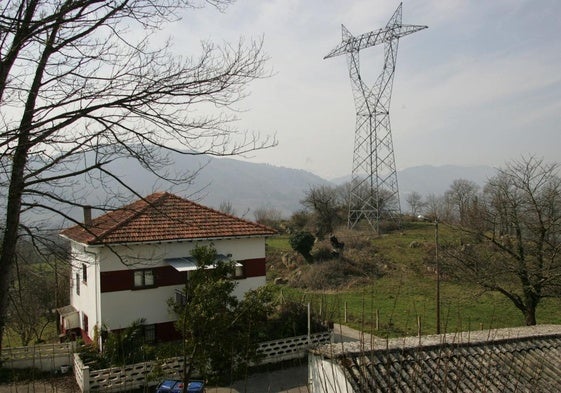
(323, 251)
(341, 272)
(355, 239)
(291, 319)
(303, 242)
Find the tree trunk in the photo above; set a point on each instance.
(9, 240)
(530, 315)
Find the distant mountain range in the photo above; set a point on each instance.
(249, 186)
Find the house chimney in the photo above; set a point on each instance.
(87, 216)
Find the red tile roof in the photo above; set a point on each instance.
(163, 217)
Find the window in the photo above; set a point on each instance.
(77, 283)
(150, 333)
(143, 278)
(84, 273)
(238, 271)
(85, 323)
(180, 298)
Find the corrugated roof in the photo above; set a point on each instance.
(163, 217)
(512, 362)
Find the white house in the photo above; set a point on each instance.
(127, 263)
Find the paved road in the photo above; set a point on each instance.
(290, 380)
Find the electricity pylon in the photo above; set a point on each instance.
(374, 193)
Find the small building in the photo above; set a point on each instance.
(526, 359)
(128, 263)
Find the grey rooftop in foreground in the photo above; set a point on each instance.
(373, 343)
(524, 359)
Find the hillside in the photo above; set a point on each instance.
(390, 281)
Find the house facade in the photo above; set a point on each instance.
(128, 263)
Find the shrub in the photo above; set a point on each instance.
(355, 239)
(337, 273)
(291, 319)
(302, 242)
(323, 251)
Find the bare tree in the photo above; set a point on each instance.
(227, 208)
(436, 207)
(461, 196)
(415, 202)
(81, 88)
(517, 254)
(269, 216)
(40, 284)
(327, 204)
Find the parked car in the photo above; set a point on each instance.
(176, 386)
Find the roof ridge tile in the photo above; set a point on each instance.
(163, 216)
(135, 213)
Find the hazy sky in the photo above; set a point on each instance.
(480, 86)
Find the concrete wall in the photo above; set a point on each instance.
(45, 357)
(326, 376)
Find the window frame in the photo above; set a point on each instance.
(85, 323)
(239, 271)
(180, 298)
(143, 273)
(149, 333)
(84, 273)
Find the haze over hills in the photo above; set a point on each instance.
(249, 186)
(213, 181)
(436, 180)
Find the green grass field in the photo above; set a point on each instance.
(397, 302)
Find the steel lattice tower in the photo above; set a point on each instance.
(374, 193)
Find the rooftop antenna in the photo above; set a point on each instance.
(374, 194)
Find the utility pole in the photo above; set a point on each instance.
(437, 276)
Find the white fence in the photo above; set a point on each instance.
(129, 377)
(290, 348)
(45, 357)
(142, 374)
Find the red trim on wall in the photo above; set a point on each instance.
(254, 267)
(167, 275)
(123, 280)
(120, 280)
(85, 337)
(165, 331)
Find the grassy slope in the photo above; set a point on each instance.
(408, 293)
